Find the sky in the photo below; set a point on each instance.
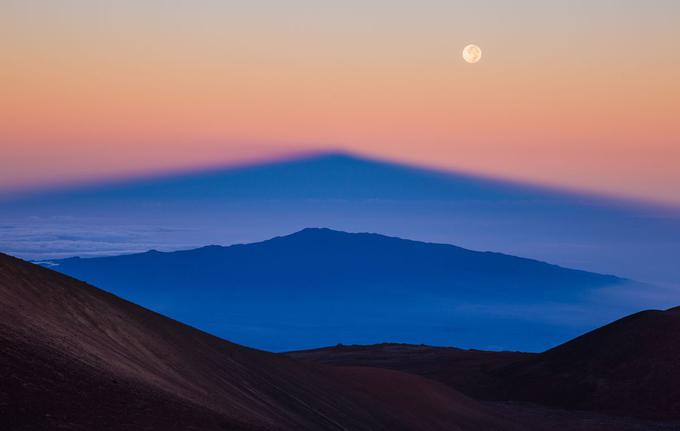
(581, 94)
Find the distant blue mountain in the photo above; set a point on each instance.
(319, 287)
(252, 203)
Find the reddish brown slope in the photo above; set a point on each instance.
(629, 367)
(75, 357)
(469, 371)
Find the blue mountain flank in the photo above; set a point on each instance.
(321, 286)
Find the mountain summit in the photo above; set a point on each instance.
(319, 286)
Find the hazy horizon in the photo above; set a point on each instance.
(245, 204)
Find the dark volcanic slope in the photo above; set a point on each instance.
(469, 371)
(324, 286)
(75, 357)
(630, 367)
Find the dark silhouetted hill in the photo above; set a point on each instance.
(628, 368)
(469, 371)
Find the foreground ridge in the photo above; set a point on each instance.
(75, 356)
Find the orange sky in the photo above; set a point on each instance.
(581, 94)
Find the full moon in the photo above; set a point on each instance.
(472, 53)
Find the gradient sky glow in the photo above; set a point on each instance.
(576, 93)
